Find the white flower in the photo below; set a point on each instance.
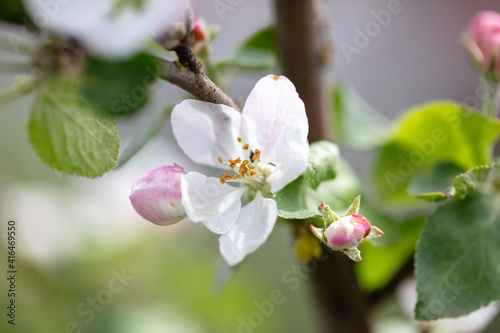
(264, 148)
(105, 29)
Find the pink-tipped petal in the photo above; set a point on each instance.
(156, 195)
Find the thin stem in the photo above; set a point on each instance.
(16, 91)
(15, 65)
(491, 102)
(7, 44)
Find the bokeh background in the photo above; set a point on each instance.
(75, 235)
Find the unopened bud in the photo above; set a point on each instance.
(156, 195)
(201, 35)
(348, 231)
(482, 40)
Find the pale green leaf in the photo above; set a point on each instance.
(429, 134)
(69, 135)
(324, 160)
(464, 184)
(299, 200)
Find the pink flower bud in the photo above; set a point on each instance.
(156, 195)
(482, 39)
(347, 232)
(201, 35)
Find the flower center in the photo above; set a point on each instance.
(248, 170)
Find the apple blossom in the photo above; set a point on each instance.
(262, 149)
(109, 29)
(482, 39)
(156, 195)
(347, 232)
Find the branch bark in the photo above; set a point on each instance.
(306, 51)
(197, 84)
(187, 73)
(342, 306)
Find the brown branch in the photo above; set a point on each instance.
(187, 73)
(199, 85)
(341, 304)
(302, 32)
(305, 51)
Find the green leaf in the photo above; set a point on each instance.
(295, 201)
(468, 182)
(458, 257)
(462, 185)
(298, 200)
(119, 88)
(13, 11)
(435, 184)
(250, 59)
(324, 160)
(259, 51)
(356, 124)
(429, 134)
(69, 135)
(264, 39)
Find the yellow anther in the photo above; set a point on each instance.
(222, 180)
(256, 155)
(253, 173)
(227, 176)
(276, 78)
(242, 173)
(251, 166)
(239, 139)
(245, 162)
(246, 146)
(238, 160)
(220, 160)
(235, 177)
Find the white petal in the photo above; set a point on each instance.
(275, 122)
(250, 231)
(90, 22)
(207, 201)
(206, 131)
(292, 153)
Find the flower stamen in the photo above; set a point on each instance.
(246, 170)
